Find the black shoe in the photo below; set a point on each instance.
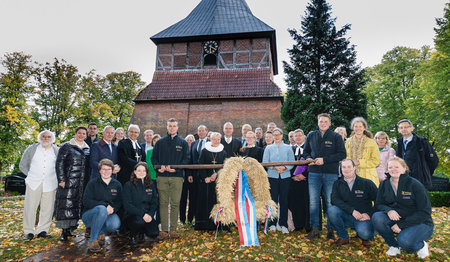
(44, 235)
(132, 241)
(70, 233)
(313, 234)
(330, 234)
(29, 236)
(141, 238)
(63, 235)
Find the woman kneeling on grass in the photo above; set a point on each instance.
(405, 210)
(102, 199)
(140, 201)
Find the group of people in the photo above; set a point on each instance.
(117, 184)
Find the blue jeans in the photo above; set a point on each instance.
(340, 219)
(316, 182)
(100, 222)
(409, 239)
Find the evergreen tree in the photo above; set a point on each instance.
(322, 76)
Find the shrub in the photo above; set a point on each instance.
(439, 199)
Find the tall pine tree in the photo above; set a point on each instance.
(322, 76)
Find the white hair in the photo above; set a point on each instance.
(228, 123)
(39, 137)
(189, 136)
(214, 134)
(134, 126)
(149, 131)
(246, 125)
(106, 127)
(200, 126)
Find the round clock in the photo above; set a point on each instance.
(210, 47)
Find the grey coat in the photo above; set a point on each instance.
(27, 156)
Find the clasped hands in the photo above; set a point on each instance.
(316, 162)
(212, 178)
(163, 169)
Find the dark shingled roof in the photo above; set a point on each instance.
(219, 19)
(216, 17)
(207, 84)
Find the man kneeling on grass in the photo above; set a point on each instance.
(351, 200)
(102, 199)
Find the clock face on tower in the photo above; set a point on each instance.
(210, 47)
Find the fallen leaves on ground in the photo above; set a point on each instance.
(201, 246)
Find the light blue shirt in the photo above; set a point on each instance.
(281, 153)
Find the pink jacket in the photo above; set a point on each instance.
(385, 155)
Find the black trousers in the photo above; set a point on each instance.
(279, 189)
(137, 225)
(189, 191)
(298, 200)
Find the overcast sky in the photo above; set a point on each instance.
(113, 36)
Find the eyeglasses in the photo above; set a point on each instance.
(403, 127)
(46, 136)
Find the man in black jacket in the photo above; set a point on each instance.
(326, 148)
(298, 198)
(230, 144)
(170, 150)
(352, 207)
(417, 152)
(190, 184)
(130, 152)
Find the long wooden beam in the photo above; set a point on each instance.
(218, 166)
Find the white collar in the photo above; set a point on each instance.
(216, 149)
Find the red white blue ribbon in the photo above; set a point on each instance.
(268, 216)
(217, 215)
(244, 207)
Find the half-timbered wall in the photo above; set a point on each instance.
(232, 54)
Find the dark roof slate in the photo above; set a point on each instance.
(216, 17)
(210, 84)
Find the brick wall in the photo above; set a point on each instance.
(212, 113)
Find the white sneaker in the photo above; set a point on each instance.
(393, 251)
(284, 230)
(423, 252)
(278, 227)
(272, 228)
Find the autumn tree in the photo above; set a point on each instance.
(16, 125)
(322, 76)
(121, 89)
(430, 105)
(390, 86)
(57, 86)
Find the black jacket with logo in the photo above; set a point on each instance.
(411, 202)
(360, 198)
(171, 151)
(98, 193)
(330, 147)
(420, 158)
(139, 200)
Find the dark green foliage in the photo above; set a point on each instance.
(439, 199)
(322, 76)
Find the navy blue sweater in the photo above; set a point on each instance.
(330, 147)
(98, 193)
(360, 198)
(411, 202)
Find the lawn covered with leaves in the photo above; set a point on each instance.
(201, 246)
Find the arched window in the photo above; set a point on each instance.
(210, 60)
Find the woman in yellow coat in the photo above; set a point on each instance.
(363, 150)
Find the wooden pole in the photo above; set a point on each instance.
(218, 166)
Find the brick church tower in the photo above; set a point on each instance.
(216, 65)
